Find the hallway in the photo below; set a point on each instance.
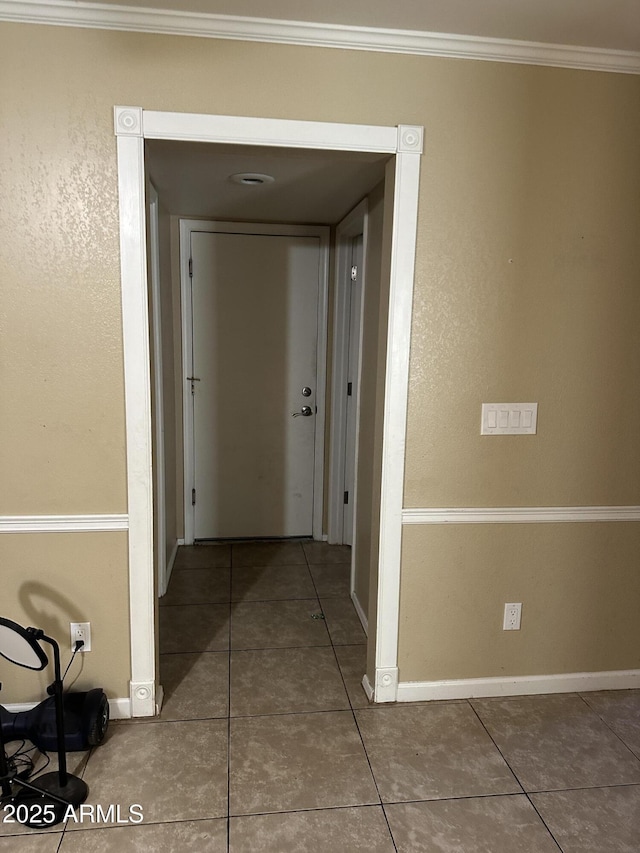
(266, 742)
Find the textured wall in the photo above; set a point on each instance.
(62, 430)
(51, 579)
(526, 289)
(579, 584)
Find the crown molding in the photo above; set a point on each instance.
(173, 22)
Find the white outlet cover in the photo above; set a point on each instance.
(512, 616)
(84, 629)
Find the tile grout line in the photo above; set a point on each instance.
(353, 714)
(611, 729)
(229, 703)
(231, 603)
(529, 800)
(229, 716)
(375, 781)
(586, 788)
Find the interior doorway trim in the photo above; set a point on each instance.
(354, 223)
(158, 383)
(132, 126)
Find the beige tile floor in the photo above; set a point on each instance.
(266, 742)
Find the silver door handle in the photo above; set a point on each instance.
(305, 411)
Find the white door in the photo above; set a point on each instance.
(353, 376)
(255, 335)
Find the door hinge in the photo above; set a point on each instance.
(346, 497)
(193, 497)
(354, 273)
(349, 389)
(190, 267)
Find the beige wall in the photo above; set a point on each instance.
(526, 289)
(51, 579)
(579, 584)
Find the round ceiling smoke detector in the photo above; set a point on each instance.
(252, 179)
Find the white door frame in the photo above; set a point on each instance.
(354, 223)
(132, 126)
(187, 226)
(158, 385)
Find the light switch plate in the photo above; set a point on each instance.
(509, 419)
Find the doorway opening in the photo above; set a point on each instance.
(404, 144)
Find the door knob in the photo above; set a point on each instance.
(305, 411)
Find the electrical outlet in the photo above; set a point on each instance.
(81, 631)
(512, 615)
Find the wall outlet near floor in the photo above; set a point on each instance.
(81, 631)
(512, 616)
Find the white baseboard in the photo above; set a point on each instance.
(159, 699)
(470, 688)
(119, 709)
(172, 560)
(368, 689)
(19, 707)
(361, 614)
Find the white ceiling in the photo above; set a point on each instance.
(312, 187)
(607, 24)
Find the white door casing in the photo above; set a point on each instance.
(353, 387)
(158, 382)
(355, 223)
(132, 126)
(257, 295)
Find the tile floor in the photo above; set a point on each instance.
(266, 742)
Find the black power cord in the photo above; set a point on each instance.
(76, 648)
(21, 762)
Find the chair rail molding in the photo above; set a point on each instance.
(519, 514)
(63, 523)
